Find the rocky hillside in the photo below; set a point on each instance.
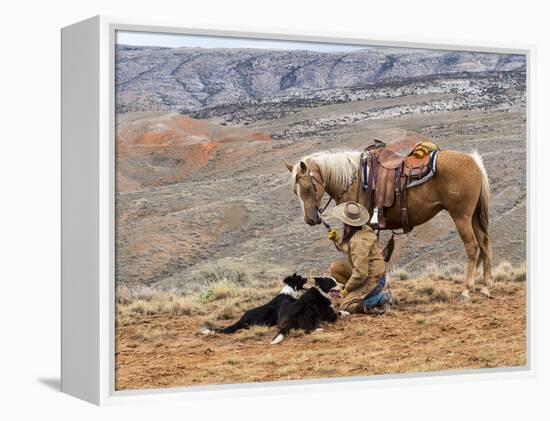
(187, 80)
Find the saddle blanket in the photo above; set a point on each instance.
(421, 150)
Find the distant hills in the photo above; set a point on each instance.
(187, 80)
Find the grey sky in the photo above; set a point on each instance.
(178, 40)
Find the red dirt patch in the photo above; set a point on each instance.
(165, 148)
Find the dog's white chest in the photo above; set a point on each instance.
(288, 290)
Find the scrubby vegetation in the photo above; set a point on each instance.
(224, 270)
(503, 271)
(227, 291)
(159, 343)
(223, 292)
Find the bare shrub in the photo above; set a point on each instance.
(127, 295)
(182, 306)
(220, 290)
(176, 305)
(226, 312)
(400, 274)
(433, 273)
(221, 270)
(505, 271)
(259, 292)
(440, 295)
(434, 294)
(426, 290)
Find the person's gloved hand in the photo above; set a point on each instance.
(333, 235)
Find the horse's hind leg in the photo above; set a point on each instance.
(466, 232)
(484, 255)
(481, 259)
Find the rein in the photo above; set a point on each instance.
(314, 182)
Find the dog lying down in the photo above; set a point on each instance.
(312, 308)
(267, 314)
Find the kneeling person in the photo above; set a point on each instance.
(364, 271)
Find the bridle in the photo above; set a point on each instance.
(314, 181)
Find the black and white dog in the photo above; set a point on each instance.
(312, 308)
(267, 314)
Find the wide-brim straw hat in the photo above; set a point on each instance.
(351, 213)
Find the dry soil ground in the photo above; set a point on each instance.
(429, 331)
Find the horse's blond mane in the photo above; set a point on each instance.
(338, 168)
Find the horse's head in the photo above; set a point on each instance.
(331, 172)
(309, 187)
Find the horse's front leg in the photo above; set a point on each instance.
(466, 232)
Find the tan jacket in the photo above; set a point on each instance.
(365, 257)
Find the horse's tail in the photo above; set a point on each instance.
(481, 215)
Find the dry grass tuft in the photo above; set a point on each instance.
(433, 272)
(453, 272)
(176, 305)
(150, 334)
(433, 293)
(125, 295)
(219, 271)
(227, 311)
(226, 299)
(220, 290)
(318, 338)
(400, 274)
(222, 300)
(255, 333)
(505, 271)
(361, 331)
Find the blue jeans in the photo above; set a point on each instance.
(375, 297)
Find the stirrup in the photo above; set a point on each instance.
(374, 220)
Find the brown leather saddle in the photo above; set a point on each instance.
(388, 170)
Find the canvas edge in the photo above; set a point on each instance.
(80, 281)
(107, 394)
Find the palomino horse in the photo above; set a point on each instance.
(459, 186)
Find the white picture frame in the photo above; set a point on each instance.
(88, 169)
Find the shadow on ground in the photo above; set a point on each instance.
(54, 383)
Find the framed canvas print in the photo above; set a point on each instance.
(246, 209)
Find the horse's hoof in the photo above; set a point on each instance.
(485, 291)
(464, 296)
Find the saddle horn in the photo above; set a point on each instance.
(378, 144)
